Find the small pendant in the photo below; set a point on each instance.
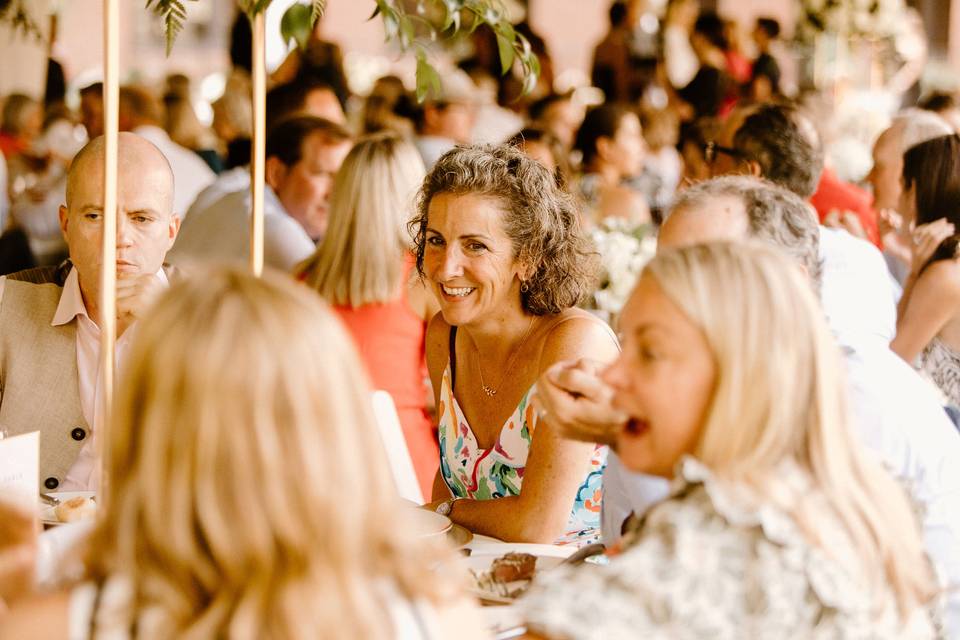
(487, 390)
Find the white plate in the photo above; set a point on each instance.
(47, 514)
(428, 523)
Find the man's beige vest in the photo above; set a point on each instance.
(39, 385)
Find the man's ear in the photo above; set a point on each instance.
(173, 227)
(64, 215)
(275, 172)
(754, 169)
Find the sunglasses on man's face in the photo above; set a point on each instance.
(712, 149)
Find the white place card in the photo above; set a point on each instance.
(20, 466)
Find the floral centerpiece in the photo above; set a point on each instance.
(625, 248)
(867, 19)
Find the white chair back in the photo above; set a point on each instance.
(391, 433)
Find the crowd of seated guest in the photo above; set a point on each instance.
(770, 418)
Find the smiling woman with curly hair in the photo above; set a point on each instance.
(501, 247)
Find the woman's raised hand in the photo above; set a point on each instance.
(926, 239)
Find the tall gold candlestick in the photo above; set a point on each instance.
(258, 156)
(108, 271)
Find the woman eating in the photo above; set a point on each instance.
(364, 267)
(777, 525)
(928, 323)
(248, 494)
(500, 245)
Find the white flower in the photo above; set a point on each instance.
(624, 251)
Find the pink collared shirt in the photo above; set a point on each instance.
(84, 474)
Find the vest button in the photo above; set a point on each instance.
(78, 434)
(51, 483)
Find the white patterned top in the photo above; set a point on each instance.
(941, 363)
(708, 563)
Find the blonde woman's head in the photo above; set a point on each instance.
(248, 493)
(714, 336)
(727, 357)
(361, 258)
(182, 124)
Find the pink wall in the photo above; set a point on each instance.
(572, 28)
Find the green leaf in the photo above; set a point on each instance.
(173, 13)
(256, 7)
(391, 23)
(505, 47)
(428, 80)
(319, 8)
(407, 32)
(524, 45)
(297, 24)
(448, 19)
(529, 81)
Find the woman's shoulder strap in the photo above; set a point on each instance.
(453, 354)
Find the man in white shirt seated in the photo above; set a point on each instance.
(897, 414)
(304, 154)
(305, 98)
(50, 318)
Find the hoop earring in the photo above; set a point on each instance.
(524, 287)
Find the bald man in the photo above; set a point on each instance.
(910, 127)
(50, 317)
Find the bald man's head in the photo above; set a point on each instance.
(146, 223)
(136, 155)
(723, 218)
(909, 128)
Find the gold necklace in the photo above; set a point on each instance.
(490, 391)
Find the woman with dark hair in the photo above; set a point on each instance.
(500, 246)
(928, 323)
(611, 143)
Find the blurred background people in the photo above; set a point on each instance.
(611, 144)
(446, 121)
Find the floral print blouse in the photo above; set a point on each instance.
(706, 563)
(485, 474)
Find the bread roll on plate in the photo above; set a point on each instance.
(78, 508)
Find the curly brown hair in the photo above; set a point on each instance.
(541, 220)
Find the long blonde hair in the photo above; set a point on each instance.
(781, 397)
(361, 258)
(248, 494)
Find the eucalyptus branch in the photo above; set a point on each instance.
(400, 25)
(512, 47)
(16, 14)
(173, 13)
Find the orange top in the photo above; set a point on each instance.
(390, 339)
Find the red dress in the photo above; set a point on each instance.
(390, 339)
(835, 194)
